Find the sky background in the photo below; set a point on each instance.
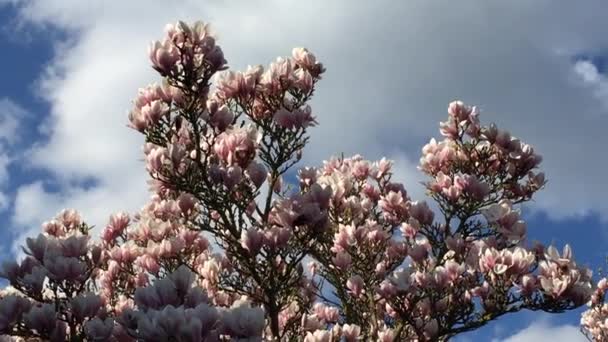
(70, 69)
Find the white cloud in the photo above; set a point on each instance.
(11, 115)
(596, 81)
(31, 203)
(34, 204)
(406, 171)
(543, 331)
(392, 69)
(4, 201)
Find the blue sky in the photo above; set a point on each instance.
(70, 69)
(24, 57)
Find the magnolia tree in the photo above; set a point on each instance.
(595, 320)
(227, 249)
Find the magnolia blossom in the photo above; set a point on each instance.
(594, 320)
(236, 147)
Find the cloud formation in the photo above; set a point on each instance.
(392, 69)
(594, 79)
(542, 331)
(11, 115)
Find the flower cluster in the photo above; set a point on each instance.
(228, 249)
(156, 244)
(594, 321)
(52, 293)
(172, 309)
(399, 274)
(219, 146)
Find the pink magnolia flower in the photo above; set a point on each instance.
(257, 173)
(53, 228)
(12, 308)
(387, 289)
(36, 247)
(418, 252)
(61, 268)
(355, 285)
(342, 260)
(318, 336)
(303, 80)
(243, 319)
(565, 259)
(236, 147)
(386, 335)
(252, 240)
(431, 329)
(351, 332)
(528, 284)
(326, 313)
(235, 84)
(311, 322)
(297, 119)
(148, 263)
(421, 212)
(70, 219)
(98, 329)
(304, 58)
(276, 237)
(449, 129)
(163, 56)
(555, 286)
(211, 269)
(41, 318)
(74, 246)
(277, 77)
(126, 253)
(34, 280)
(221, 118)
(85, 306)
(394, 204)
